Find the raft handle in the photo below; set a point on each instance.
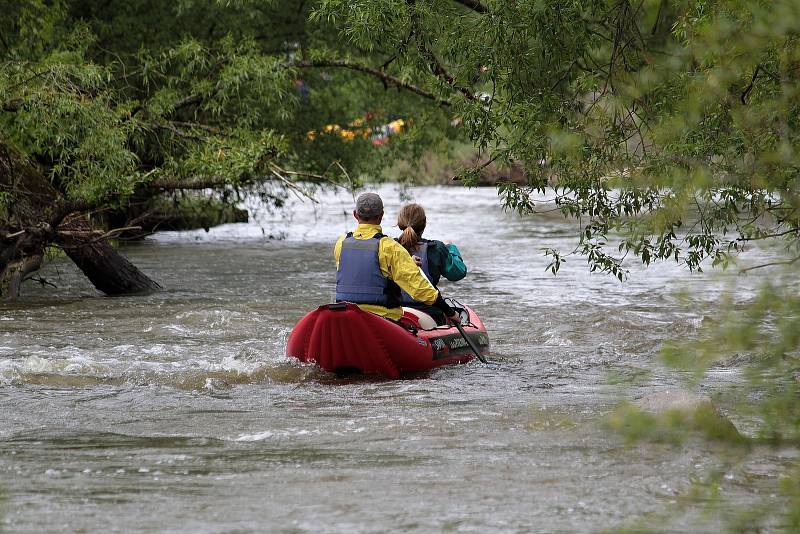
(338, 306)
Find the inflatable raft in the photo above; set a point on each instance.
(343, 338)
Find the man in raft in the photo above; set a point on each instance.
(372, 268)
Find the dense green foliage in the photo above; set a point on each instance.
(109, 97)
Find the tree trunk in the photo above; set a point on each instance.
(24, 229)
(107, 269)
(20, 270)
(35, 218)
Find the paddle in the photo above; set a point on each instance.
(471, 344)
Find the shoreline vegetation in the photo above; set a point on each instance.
(444, 168)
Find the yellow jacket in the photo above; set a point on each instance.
(396, 264)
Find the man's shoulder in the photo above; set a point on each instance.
(388, 241)
(391, 245)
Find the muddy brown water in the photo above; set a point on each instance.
(179, 412)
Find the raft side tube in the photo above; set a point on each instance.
(343, 337)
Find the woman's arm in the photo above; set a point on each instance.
(453, 268)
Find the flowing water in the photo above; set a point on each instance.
(178, 411)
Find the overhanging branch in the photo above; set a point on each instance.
(386, 78)
(473, 5)
(192, 183)
(440, 72)
(770, 264)
(12, 106)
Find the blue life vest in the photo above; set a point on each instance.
(422, 253)
(359, 278)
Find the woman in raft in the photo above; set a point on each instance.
(436, 259)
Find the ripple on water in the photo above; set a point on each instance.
(187, 374)
(214, 429)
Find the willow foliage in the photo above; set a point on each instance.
(668, 127)
(111, 98)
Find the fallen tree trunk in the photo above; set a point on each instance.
(107, 269)
(24, 226)
(21, 254)
(35, 219)
(22, 269)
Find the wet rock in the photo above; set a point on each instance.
(676, 399)
(690, 410)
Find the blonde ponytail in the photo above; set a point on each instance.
(409, 239)
(411, 220)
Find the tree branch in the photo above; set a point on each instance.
(277, 171)
(99, 236)
(440, 72)
(386, 78)
(195, 182)
(169, 127)
(12, 106)
(473, 5)
(749, 88)
(768, 236)
(770, 264)
(188, 101)
(5, 43)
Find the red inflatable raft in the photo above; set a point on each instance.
(344, 338)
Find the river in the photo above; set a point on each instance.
(179, 412)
